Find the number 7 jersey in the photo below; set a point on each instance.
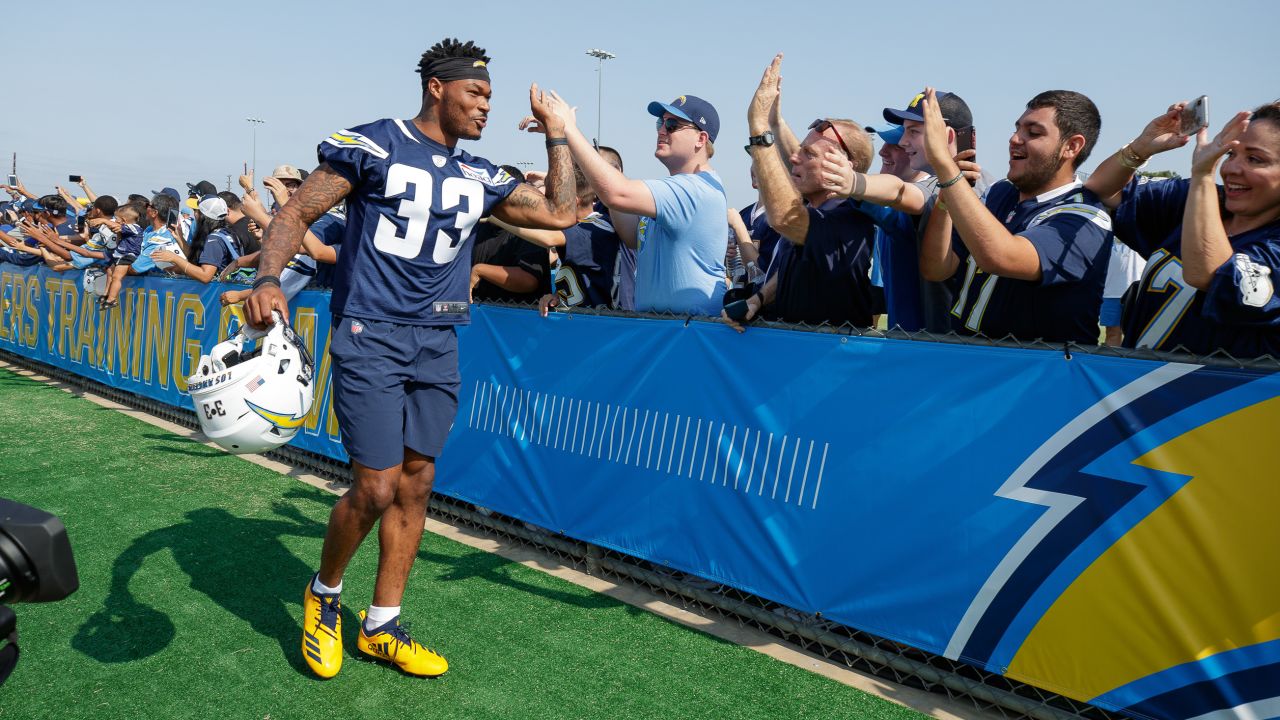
(414, 203)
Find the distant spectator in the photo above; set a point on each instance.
(594, 268)
(217, 245)
(1124, 269)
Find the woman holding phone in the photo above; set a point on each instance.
(1213, 251)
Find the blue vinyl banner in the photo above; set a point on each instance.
(1100, 527)
(150, 343)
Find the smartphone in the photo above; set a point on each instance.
(966, 139)
(13, 180)
(1195, 116)
(74, 178)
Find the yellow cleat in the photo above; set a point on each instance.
(322, 632)
(391, 643)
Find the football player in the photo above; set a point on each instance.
(400, 288)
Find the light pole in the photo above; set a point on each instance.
(600, 56)
(254, 123)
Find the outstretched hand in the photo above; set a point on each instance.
(764, 103)
(838, 174)
(1204, 159)
(551, 114)
(1161, 133)
(937, 137)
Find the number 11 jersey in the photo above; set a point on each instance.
(406, 256)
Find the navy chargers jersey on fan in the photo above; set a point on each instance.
(1239, 313)
(1071, 232)
(597, 269)
(410, 216)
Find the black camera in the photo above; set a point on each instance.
(36, 565)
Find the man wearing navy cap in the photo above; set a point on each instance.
(936, 298)
(679, 224)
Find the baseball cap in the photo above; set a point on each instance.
(170, 192)
(201, 189)
(691, 108)
(891, 135)
(286, 172)
(213, 206)
(955, 111)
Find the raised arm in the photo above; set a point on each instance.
(1205, 244)
(747, 249)
(89, 193)
(1117, 170)
(322, 189)
(994, 248)
(783, 204)
(615, 190)
(558, 208)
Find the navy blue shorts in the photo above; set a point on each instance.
(394, 387)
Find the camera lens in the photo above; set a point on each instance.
(17, 579)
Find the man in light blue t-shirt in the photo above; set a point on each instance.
(679, 224)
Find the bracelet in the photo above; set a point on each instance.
(554, 142)
(266, 280)
(859, 184)
(959, 176)
(1129, 158)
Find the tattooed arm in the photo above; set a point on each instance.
(322, 189)
(558, 209)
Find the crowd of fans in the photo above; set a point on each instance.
(931, 242)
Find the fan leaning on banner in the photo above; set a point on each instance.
(401, 287)
(1213, 252)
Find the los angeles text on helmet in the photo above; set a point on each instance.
(153, 337)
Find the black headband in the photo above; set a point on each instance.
(447, 69)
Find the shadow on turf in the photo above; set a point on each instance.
(211, 547)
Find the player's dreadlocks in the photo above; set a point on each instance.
(448, 53)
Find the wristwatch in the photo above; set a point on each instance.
(764, 139)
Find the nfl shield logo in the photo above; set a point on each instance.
(356, 327)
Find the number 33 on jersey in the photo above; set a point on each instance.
(410, 215)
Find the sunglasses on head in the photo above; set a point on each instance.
(821, 126)
(672, 124)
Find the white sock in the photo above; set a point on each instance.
(379, 616)
(320, 588)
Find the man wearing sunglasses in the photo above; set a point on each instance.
(820, 273)
(677, 224)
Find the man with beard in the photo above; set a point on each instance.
(1034, 256)
(413, 199)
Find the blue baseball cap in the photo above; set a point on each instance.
(891, 135)
(170, 192)
(691, 108)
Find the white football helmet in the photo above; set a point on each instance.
(253, 402)
(95, 281)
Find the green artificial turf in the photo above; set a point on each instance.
(192, 564)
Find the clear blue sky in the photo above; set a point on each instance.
(154, 94)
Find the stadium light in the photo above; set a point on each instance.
(254, 123)
(600, 56)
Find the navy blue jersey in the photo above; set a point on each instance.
(1239, 313)
(1071, 232)
(826, 279)
(765, 236)
(596, 268)
(406, 253)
